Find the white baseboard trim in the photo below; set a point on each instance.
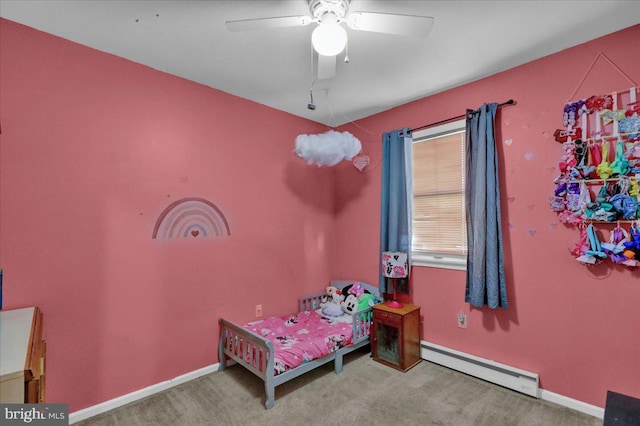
(504, 375)
(574, 404)
(103, 407)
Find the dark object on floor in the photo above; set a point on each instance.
(621, 410)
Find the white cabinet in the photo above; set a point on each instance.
(22, 356)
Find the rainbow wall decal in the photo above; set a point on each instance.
(191, 218)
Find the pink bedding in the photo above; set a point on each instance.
(302, 337)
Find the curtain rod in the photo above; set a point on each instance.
(509, 102)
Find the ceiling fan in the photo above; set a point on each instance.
(329, 38)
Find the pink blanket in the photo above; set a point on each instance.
(302, 337)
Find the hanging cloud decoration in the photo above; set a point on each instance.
(327, 149)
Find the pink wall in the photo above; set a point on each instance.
(93, 149)
(576, 326)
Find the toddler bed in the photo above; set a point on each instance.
(278, 349)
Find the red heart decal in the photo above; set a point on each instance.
(195, 232)
(360, 162)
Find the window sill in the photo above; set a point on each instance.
(458, 263)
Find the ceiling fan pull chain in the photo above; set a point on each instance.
(346, 55)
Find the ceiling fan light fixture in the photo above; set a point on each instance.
(329, 39)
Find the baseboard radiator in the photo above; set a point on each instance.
(491, 371)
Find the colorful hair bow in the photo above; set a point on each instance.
(620, 165)
(608, 115)
(615, 247)
(634, 189)
(562, 135)
(598, 103)
(604, 168)
(630, 125)
(635, 109)
(570, 113)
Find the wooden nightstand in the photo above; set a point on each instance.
(395, 337)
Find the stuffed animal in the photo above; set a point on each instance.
(328, 296)
(357, 290)
(366, 300)
(350, 304)
(338, 297)
(333, 308)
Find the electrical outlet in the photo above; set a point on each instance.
(462, 320)
(258, 311)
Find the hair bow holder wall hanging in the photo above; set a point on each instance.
(601, 155)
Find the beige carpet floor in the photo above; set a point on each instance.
(366, 393)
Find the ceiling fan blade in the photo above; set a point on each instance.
(268, 23)
(326, 66)
(389, 23)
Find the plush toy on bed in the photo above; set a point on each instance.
(366, 300)
(328, 295)
(333, 307)
(350, 304)
(356, 289)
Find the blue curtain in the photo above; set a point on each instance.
(485, 264)
(397, 201)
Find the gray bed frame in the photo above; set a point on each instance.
(255, 353)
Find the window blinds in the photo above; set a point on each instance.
(439, 224)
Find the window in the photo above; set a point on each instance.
(439, 224)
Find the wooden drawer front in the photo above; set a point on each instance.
(387, 318)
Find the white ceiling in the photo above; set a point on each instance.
(470, 40)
